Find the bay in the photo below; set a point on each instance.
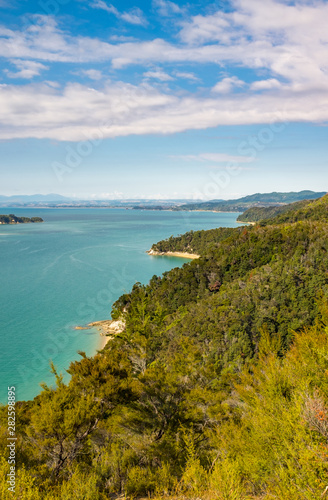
(68, 271)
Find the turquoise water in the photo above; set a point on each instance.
(68, 271)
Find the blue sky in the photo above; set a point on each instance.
(163, 99)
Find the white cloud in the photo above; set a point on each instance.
(215, 27)
(227, 84)
(186, 75)
(271, 83)
(158, 75)
(76, 113)
(166, 8)
(133, 16)
(27, 69)
(45, 41)
(288, 41)
(93, 74)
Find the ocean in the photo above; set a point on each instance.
(67, 272)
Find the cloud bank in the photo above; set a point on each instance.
(284, 46)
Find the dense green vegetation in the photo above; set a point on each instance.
(216, 390)
(198, 242)
(256, 214)
(13, 219)
(313, 210)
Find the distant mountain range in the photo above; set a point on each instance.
(238, 205)
(277, 197)
(254, 200)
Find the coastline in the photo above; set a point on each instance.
(183, 255)
(107, 328)
(104, 339)
(250, 223)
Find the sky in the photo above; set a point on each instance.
(161, 99)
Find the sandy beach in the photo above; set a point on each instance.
(250, 223)
(103, 341)
(107, 328)
(184, 255)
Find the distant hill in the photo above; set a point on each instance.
(239, 205)
(276, 197)
(293, 212)
(257, 199)
(256, 214)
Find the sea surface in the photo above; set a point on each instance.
(68, 271)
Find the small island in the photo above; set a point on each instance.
(13, 219)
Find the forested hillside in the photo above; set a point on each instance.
(216, 389)
(254, 200)
(302, 210)
(198, 242)
(255, 214)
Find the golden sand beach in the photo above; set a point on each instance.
(184, 255)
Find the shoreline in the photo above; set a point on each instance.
(250, 223)
(183, 255)
(104, 339)
(107, 328)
